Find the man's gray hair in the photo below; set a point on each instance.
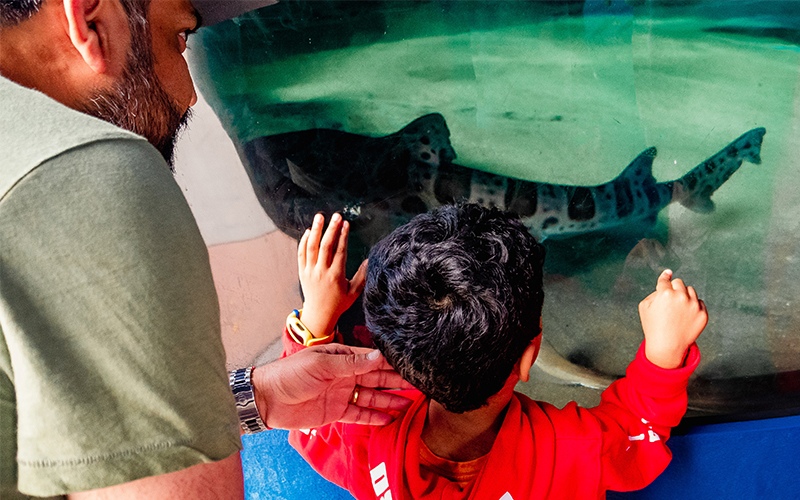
(15, 11)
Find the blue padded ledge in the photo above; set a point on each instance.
(273, 470)
(756, 459)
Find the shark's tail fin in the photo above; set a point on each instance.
(694, 189)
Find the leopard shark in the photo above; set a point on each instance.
(379, 183)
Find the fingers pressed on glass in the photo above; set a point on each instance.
(301, 249)
(663, 282)
(678, 285)
(331, 237)
(340, 257)
(312, 244)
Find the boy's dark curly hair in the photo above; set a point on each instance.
(453, 298)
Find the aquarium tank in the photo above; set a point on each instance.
(630, 136)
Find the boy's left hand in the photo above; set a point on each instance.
(321, 260)
(672, 319)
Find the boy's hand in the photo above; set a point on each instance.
(672, 319)
(321, 264)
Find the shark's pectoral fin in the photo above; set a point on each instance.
(303, 180)
(565, 372)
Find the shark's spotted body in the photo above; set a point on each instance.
(380, 183)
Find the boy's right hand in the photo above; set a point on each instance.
(672, 319)
(321, 260)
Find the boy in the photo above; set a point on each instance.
(453, 300)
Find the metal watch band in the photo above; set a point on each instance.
(242, 388)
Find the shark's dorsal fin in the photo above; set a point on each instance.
(641, 168)
(428, 140)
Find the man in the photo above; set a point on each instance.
(112, 380)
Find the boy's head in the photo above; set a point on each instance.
(453, 298)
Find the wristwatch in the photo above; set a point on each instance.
(246, 409)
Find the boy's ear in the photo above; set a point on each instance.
(98, 29)
(529, 357)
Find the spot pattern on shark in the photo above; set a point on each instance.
(379, 183)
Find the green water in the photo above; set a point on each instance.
(555, 92)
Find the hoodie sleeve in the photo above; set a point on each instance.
(336, 451)
(290, 346)
(635, 417)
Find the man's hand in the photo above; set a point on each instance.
(672, 319)
(321, 263)
(315, 386)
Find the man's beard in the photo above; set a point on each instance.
(139, 103)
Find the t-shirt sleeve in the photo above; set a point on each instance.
(111, 320)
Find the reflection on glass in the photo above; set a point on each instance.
(381, 110)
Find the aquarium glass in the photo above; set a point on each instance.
(523, 104)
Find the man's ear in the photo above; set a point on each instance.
(91, 25)
(528, 358)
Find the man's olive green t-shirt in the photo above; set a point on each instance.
(111, 361)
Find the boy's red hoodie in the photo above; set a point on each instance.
(540, 451)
